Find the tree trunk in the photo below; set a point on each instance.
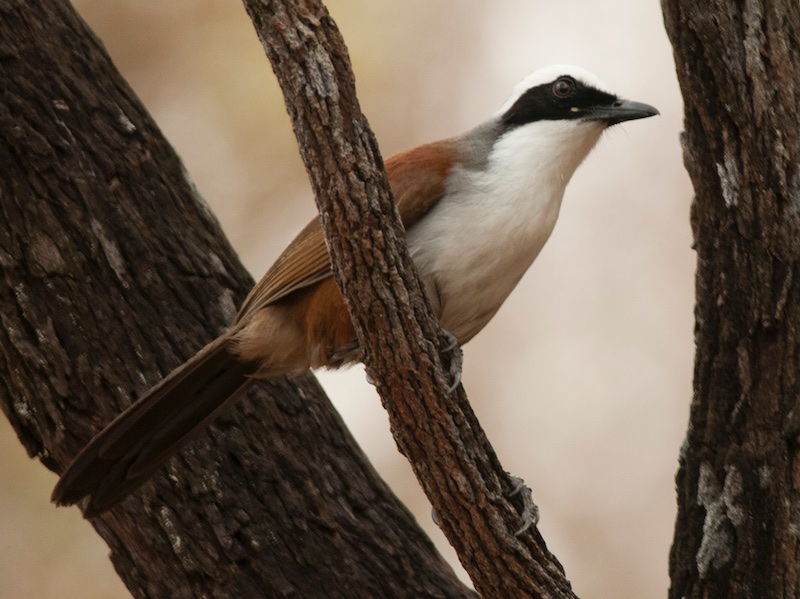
(738, 65)
(113, 272)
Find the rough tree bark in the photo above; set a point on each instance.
(738, 64)
(434, 428)
(113, 272)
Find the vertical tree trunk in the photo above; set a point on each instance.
(738, 65)
(113, 272)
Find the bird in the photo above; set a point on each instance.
(477, 210)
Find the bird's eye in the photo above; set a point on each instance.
(564, 87)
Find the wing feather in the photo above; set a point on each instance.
(304, 262)
(417, 178)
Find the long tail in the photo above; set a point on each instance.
(134, 445)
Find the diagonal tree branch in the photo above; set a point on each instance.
(436, 430)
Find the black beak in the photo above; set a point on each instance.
(620, 111)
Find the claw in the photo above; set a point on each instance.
(452, 342)
(456, 360)
(529, 511)
(435, 518)
(456, 380)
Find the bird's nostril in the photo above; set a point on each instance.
(617, 103)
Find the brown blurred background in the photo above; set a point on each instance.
(583, 379)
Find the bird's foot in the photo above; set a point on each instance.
(456, 360)
(529, 510)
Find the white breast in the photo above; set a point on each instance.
(478, 241)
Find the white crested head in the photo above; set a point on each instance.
(549, 74)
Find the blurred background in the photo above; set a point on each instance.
(583, 379)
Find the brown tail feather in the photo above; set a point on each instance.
(137, 443)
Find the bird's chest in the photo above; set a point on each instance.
(471, 251)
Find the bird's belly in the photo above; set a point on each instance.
(471, 265)
(471, 295)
